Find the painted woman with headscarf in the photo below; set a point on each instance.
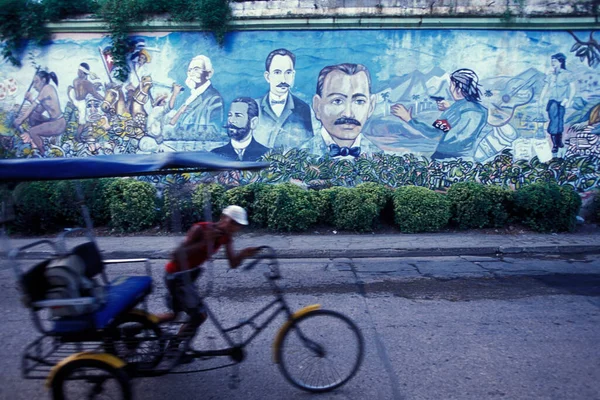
(45, 116)
(461, 122)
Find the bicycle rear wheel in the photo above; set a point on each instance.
(91, 379)
(320, 351)
(136, 340)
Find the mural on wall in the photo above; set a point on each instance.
(442, 97)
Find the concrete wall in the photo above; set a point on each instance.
(504, 135)
(475, 8)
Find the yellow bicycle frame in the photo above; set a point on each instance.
(109, 359)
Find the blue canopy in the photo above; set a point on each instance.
(43, 169)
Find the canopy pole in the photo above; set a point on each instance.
(89, 227)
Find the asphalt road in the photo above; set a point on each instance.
(446, 331)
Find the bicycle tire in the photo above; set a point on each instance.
(68, 373)
(319, 334)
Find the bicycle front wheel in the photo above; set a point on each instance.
(320, 351)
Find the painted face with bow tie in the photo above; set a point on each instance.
(280, 75)
(344, 105)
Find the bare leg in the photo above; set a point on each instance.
(51, 128)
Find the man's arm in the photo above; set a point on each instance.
(91, 89)
(236, 259)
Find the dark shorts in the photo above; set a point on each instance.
(183, 296)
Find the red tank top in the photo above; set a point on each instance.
(199, 255)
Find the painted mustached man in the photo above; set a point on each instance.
(241, 121)
(343, 104)
(284, 121)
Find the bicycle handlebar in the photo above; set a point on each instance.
(269, 254)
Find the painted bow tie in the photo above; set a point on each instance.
(277, 101)
(335, 150)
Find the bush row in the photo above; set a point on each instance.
(129, 205)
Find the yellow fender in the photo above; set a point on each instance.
(150, 317)
(286, 325)
(109, 359)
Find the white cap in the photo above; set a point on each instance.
(236, 213)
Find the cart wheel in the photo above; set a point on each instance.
(136, 340)
(90, 379)
(320, 351)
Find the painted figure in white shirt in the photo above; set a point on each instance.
(284, 121)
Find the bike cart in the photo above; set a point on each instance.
(94, 343)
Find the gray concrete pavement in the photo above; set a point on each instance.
(359, 245)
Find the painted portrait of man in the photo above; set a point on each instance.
(343, 104)
(284, 121)
(241, 122)
(201, 114)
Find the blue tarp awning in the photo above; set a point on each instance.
(105, 166)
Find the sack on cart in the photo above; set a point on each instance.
(64, 278)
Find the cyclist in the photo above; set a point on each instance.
(202, 241)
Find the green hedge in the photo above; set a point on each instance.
(247, 196)
(212, 194)
(352, 209)
(34, 211)
(177, 209)
(285, 208)
(418, 209)
(474, 205)
(129, 205)
(132, 205)
(547, 207)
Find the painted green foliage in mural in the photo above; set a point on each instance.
(395, 171)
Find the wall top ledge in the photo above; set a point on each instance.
(90, 25)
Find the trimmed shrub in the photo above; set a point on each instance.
(66, 208)
(502, 205)
(247, 196)
(178, 212)
(34, 210)
(474, 205)
(322, 201)
(285, 208)
(382, 196)
(216, 198)
(353, 209)
(570, 204)
(470, 205)
(97, 198)
(418, 209)
(132, 205)
(547, 207)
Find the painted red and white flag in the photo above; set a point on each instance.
(108, 59)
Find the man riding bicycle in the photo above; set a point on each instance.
(202, 241)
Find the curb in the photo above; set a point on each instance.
(370, 253)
